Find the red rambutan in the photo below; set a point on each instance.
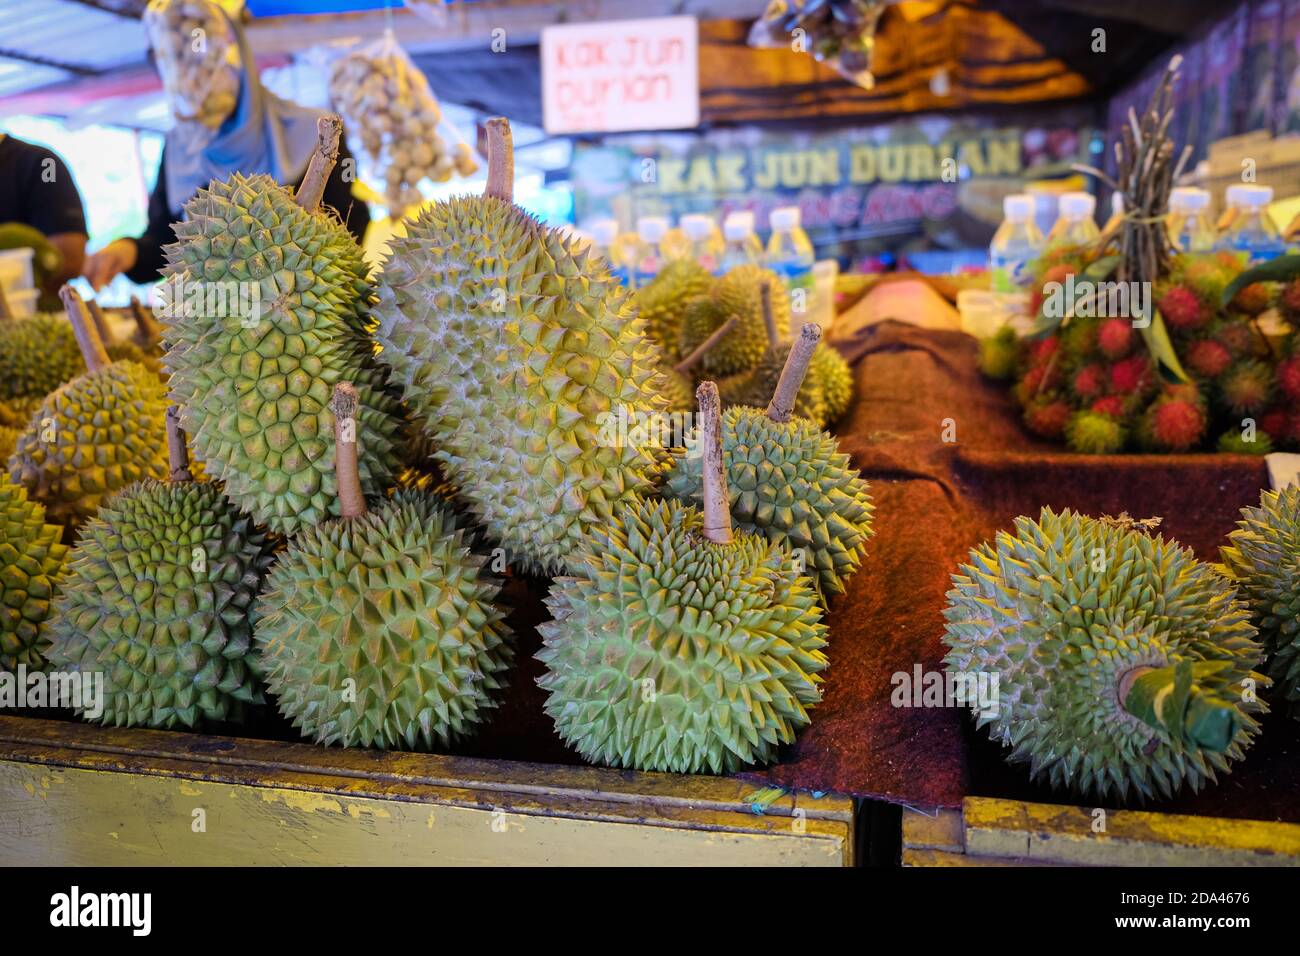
(1182, 309)
(1246, 387)
(1115, 338)
(1253, 299)
(1237, 337)
(1173, 424)
(1112, 405)
(1275, 422)
(1089, 381)
(1131, 375)
(1208, 358)
(1288, 377)
(1289, 299)
(1048, 417)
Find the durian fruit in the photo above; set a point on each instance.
(1120, 659)
(31, 560)
(737, 293)
(678, 645)
(755, 385)
(835, 377)
(37, 355)
(788, 480)
(1263, 557)
(381, 628)
(522, 357)
(677, 389)
(95, 435)
(662, 302)
(17, 412)
(124, 350)
(255, 389)
(157, 596)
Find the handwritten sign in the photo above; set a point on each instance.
(621, 75)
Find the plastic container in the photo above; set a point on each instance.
(790, 255)
(647, 256)
(16, 269)
(1188, 222)
(603, 233)
(706, 242)
(23, 302)
(1074, 224)
(825, 272)
(1251, 229)
(741, 246)
(1015, 245)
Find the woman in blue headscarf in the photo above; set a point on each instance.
(225, 122)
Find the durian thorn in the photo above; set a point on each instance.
(688, 363)
(326, 154)
(501, 159)
(92, 348)
(781, 407)
(1169, 699)
(147, 331)
(769, 320)
(178, 456)
(101, 323)
(352, 503)
(6, 313)
(717, 509)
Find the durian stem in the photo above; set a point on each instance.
(717, 509)
(101, 323)
(1172, 700)
(352, 503)
(310, 193)
(148, 332)
(769, 320)
(178, 456)
(781, 407)
(92, 348)
(6, 313)
(501, 159)
(688, 363)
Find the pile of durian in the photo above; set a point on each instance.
(301, 509)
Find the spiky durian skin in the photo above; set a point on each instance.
(519, 354)
(1060, 611)
(382, 631)
(675, 389)
(737, 293)
(756, 387)
(669, 652)
(790, 483)
(662, 303)
(156, 596)
(1263, 556)
(31, 560)
(835, 377)
(106, 431)
(255, 390)
(37, 355)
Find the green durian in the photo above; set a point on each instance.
(675, 388)
(255, 389)
(31, 559)
(1120, 659)
(678, 646)
(157, 596)
(94, 436)
(755, 387)
(380, 628)
(1263, 558)
(737, 293)
(522, 356)
(788, 481)
(833, 374)
(37, 355)
(662, 303)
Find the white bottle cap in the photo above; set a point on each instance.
(1117, 203)
(651, 228)
(784, 218)
(1188, 199)
(697, 227)
(1253, 197)
(1018, 206)
(736, 228)
(603, 231)
(1076, 205)
(741, 219)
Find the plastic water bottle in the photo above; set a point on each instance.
(706, 241)
(1015, 245)
(1188, 222)
(790, 255)
(1074, 223)
(742, 246)
(648, 258)
(603, 234)
(1251, 230)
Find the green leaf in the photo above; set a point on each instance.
(1100, 269)
(1281, 269)
(1156, 337)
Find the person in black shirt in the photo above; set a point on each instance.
(226, 122)
(37, 190)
